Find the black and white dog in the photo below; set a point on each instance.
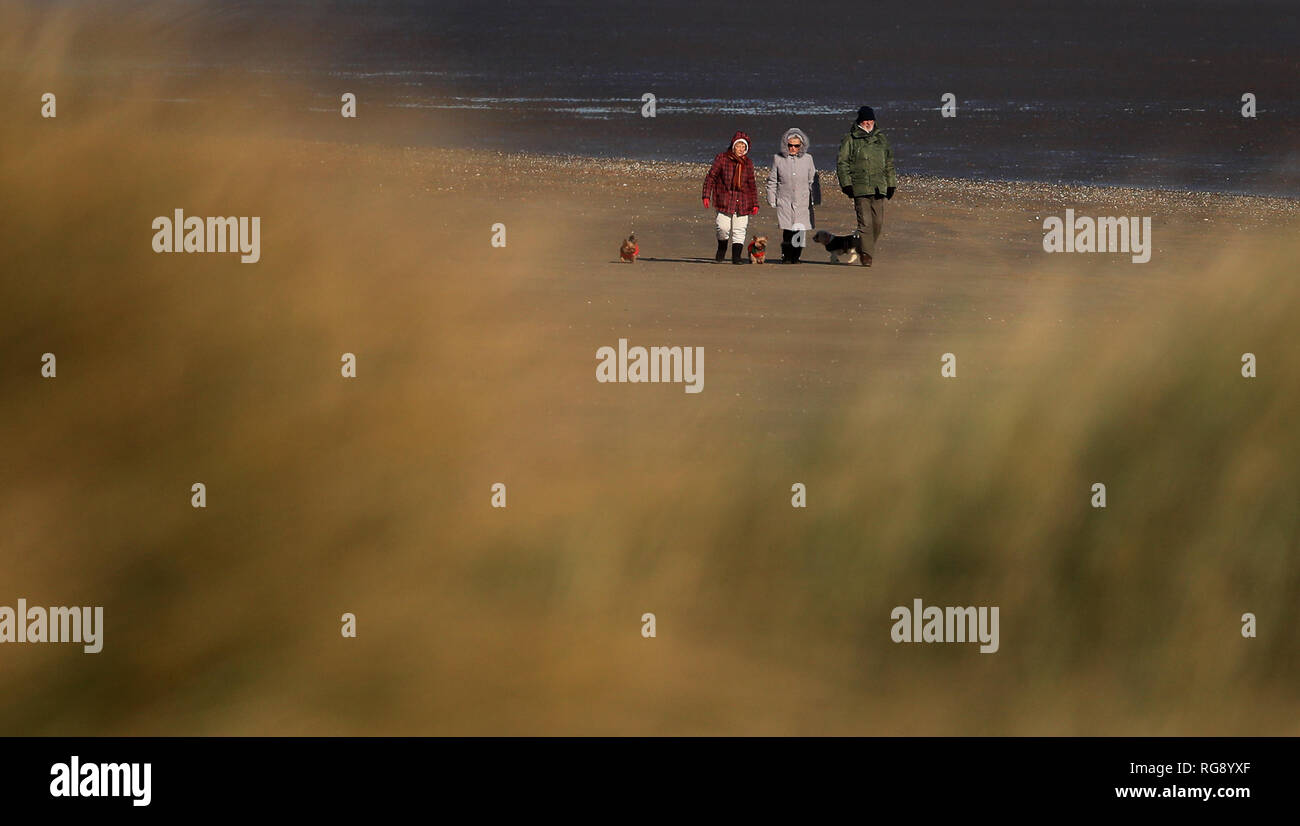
(843, 248)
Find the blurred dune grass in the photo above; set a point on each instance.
(475, 366)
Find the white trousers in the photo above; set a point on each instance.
(733, 226)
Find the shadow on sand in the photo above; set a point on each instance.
(711, 261)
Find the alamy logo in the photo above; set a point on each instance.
(56, 624)
(194, 234)
(75, 779)
(653, 364)
(1100, 235)
(951, 624)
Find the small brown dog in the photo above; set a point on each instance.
(630, 249)
(758, 249)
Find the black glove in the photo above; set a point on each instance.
(847, 190)
(889, 193)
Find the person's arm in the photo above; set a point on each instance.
(844, 163)
(814, 186)
(891, 180)
(711, 180)
(771, 182)
(751, 186)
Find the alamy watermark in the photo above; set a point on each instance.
(77, 779)
(948, 624)
(651, 364)
(55, 624)
(193, 234)
(1106, 234)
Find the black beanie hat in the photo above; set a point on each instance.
(865, 113)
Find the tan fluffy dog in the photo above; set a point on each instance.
(630, 249)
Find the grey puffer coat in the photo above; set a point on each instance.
(792, 185)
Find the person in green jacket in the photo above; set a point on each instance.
(866, 171)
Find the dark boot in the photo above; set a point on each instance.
(736, 250)
(863, 258)
(787, 249)
(722, 252)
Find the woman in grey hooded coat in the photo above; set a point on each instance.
(792, 188)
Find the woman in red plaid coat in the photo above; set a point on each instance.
(729, 189)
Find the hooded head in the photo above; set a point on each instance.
(785, 141)
(739, 137)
